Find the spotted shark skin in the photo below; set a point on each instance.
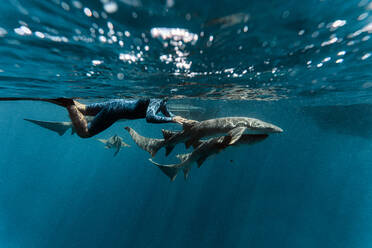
(193, 131)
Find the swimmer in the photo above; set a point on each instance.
(107, 113)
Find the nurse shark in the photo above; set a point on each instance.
(203, 150)
(193, 131)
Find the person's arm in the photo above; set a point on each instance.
(153, 109)
(164, 109)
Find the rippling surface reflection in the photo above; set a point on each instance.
(256, 50)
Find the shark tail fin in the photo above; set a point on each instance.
(58, 127)
(167, 134)
(150, 145)
(170, 170)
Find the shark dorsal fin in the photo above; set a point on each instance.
(167, 134)
(183, 157)
(168, 149)
(201, 161)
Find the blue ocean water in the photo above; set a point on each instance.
(302, 65)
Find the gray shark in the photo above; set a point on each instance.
(114, 142)
(203, 150)
(193, 131)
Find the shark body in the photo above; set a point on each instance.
(115, 142)
(193, 132)
(203, 150)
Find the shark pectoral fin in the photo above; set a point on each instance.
(167, 134)
(191, 142)
(235, 134)
(168, 150)
(201, 161)
(186, 172)
(102, 141)
(170, 170)
(123, 144)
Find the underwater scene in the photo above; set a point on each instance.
(142, 123)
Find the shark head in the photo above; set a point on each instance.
(262, 126)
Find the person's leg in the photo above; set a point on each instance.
(103, 120)
(79, 121)
(81, 107)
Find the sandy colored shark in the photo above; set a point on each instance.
(193, 131)
(114, 142)
(203, 150)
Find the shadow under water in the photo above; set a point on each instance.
(355, 120)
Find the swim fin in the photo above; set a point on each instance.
(58, 127)
(58, 101)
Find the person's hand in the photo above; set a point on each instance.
(183, 121)
(179, 119)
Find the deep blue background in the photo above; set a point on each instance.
(307, 187)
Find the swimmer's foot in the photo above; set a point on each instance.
(63, 102)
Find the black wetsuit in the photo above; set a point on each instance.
(107, 113)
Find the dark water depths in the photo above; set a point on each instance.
(302, 65)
